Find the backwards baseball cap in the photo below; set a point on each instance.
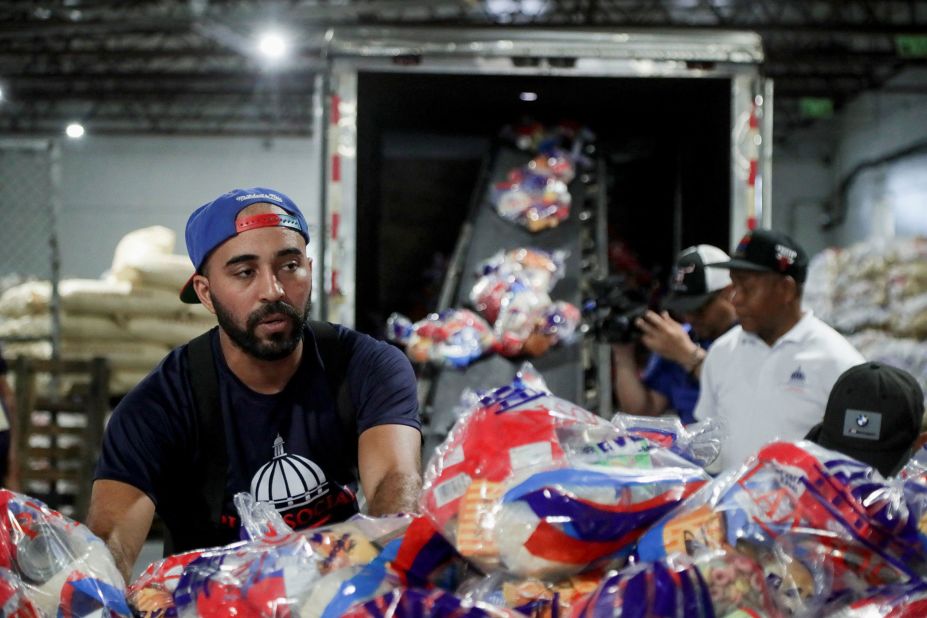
(213, 223)
(769, 251)
(692, 284)
(874, 415)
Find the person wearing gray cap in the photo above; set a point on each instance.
(770, 376)
(698, 295)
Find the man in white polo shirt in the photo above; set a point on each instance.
(770, 377)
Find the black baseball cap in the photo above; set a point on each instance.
(874, 415)
(769, 251)
(692, 284)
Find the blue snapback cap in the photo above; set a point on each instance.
(213, 223)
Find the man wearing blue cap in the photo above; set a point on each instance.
(294, 412)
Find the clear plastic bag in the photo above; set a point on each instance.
(64, 568)
(415, 603)
(819, 523)
(454, 337)
(538, 486)
(698, 442)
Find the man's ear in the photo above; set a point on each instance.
(790, 286)
(201, 287)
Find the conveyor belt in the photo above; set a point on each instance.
(488, 233)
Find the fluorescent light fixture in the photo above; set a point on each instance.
(272, 45)
(74, 130)
(528, 96)
(1, 94)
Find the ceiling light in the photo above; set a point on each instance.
(1, 94)
(74, 130)
(528, 96)
(272, 45)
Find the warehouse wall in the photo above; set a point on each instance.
(866, 168)
(112, 185)
(802, 179)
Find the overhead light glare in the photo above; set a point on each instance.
(272, 45)
(528, 96)
(75, 130)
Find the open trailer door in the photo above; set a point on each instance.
(567, 57)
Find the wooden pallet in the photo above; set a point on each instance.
(58, 435)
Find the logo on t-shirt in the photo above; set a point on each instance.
(288, 482)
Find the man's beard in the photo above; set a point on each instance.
(279, 345)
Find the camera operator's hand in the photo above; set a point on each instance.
(666, 337)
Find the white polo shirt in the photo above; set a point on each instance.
(762, 392)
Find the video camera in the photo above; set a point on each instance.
(613, 309)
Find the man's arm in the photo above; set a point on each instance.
(121, 515)
(389, 462)
(633, 396)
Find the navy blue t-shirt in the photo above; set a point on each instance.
(671, 380)
(288, 448)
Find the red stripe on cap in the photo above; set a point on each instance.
(267, 219)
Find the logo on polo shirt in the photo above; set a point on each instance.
(797, 378)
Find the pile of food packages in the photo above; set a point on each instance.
(533, 507)
(875, 292)
(536, 195)
(513, 313)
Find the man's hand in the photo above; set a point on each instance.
(121, 515)
(389, 462)
(666, 337)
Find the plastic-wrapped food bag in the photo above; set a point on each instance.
(414, 603)
(271, 575)
(510, 428)
(723, 584)
(531, 596)
(13, 601)
(537, 268)
(454, 337)
(556, 520)
(895, 601)
(421, 558)
(535, 201)
(64, 568)
(916, 467)
(543, 488)
(819, 523)
(152, 594)
(698, 442)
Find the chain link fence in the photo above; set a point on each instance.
(29, 172)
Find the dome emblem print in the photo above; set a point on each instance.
(288, 481)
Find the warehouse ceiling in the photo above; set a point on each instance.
(191, 67)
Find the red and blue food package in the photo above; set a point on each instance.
(63, 568)
(539, 487)
(415, 603)
(724, 584)
(821, 524)
(454, 337)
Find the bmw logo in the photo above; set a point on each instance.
(862, 420)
